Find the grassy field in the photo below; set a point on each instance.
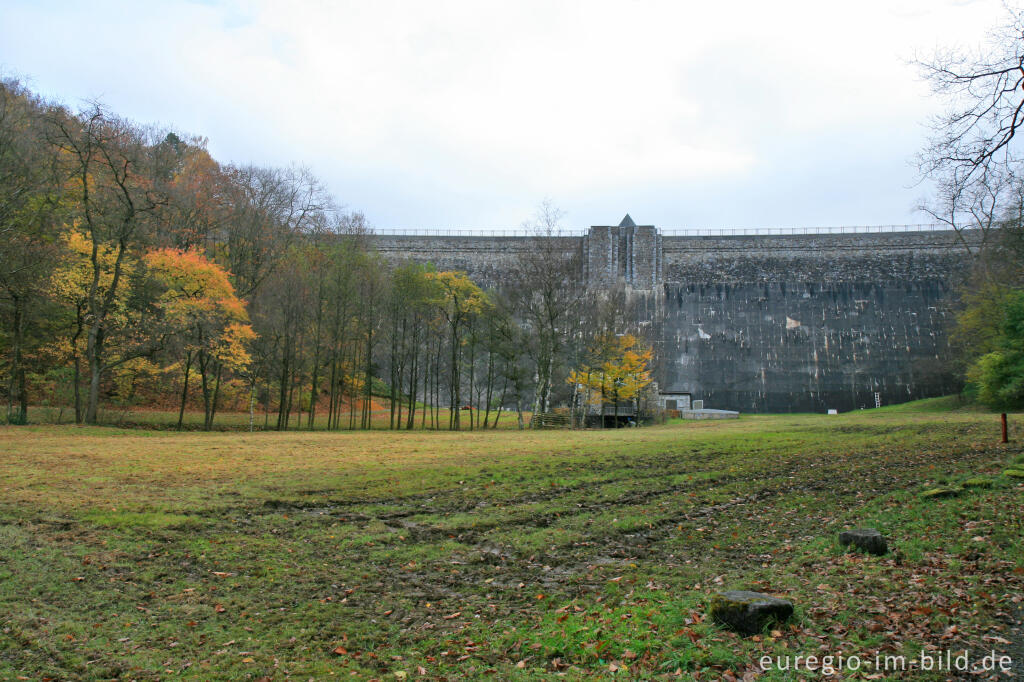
(167, 420)
(148, 555)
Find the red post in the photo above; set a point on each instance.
(1002, 421)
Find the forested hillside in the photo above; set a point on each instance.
(137, 270)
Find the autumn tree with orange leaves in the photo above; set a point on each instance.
(200, 309)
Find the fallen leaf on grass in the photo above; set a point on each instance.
(997, 640)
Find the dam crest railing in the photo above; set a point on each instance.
(665, 231)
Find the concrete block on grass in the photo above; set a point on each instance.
(748, 612)
(865, 539)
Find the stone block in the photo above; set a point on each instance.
(748, 612)
(865, 539)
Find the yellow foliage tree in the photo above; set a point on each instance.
(619, 370)
(200, 307)
(72, 282)
(457, 298)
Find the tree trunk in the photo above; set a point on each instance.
(501, 403)
(392, 373)
(78, 389)
(472, 377)
(23, 396)
(13, 386)
(314, 370)
(399, 380)
(282, 400)
(94, 353)
(292, 379)
(426, 386)
(604, 399)
(216, 395)
(314, 380)
(396, 401)
(435, 388)
(204, 367)
(543, 376)
(431, 387)
(266, 400)
(413, 380)
(331, 393)
(368, 383)
(537, 390)
(547, 382)
(615, 397)
(490, 388)
(184, 390)
(252, 404)
(353, 395)
(455, 397)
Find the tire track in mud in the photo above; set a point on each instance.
(569, 568)
(272, 504)
(551, 571)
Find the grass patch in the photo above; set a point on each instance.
(154, 555)
(125, 519)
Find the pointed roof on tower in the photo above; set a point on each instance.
(627, 222)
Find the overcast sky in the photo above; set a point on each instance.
(468, 114)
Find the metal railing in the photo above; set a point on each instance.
(824, 229)
(473, 232)
(665, 231)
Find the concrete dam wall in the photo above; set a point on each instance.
(763, 323)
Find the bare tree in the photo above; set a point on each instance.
(972, 153)
(269, 209)
(547, 287)
(973, 157)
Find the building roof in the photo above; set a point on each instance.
(627, 222)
